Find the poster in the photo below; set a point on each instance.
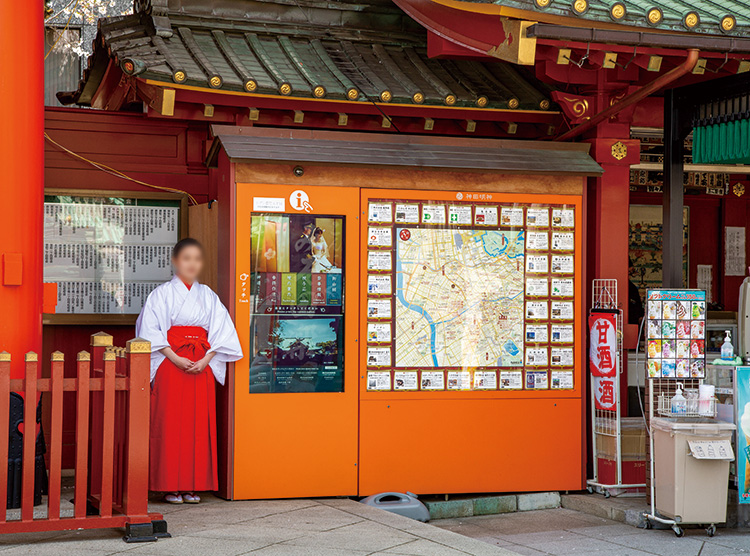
(378, 309)
(676, 333)
(734, 251)
(407, 213)
(742, 378)
(380, 212)
(379, 237)
(405, 380)
(537, 287)
(511, 217)
(379, 381)
(561, 380)
(432, 380)
(536, 380)
(460, 215)
(511, 380)
(537, 264)
(605, 392)
(537, 241)
(485, 215)
(433, 214)
(537, 217)
(603, 344)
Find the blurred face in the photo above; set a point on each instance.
(188, 264)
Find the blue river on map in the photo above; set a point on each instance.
(494, 244)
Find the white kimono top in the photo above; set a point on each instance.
(173, 304)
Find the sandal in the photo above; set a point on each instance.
(173, 498)
(191, 498)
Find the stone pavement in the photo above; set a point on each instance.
(321, 527)
(565, 531)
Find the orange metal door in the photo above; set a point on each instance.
(295, 417)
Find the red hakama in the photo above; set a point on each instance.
(183, 419)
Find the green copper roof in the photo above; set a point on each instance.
(309, 57)
(713, 17)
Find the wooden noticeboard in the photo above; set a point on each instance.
(106, 251)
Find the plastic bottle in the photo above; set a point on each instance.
(679, 403)
(727, 349)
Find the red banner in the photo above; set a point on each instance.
(603, 341)
(604, 392)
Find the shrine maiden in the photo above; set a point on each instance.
(192, 340)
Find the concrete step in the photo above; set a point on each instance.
(466, 506)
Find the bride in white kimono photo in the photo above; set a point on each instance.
(192, 340)
(320, 252)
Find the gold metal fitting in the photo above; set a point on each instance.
(654, 16)
(319, 91)
(352, 94)
(544, 104)
(450, 100)
(691, 20)
(215, 82)
(728, 23)
(386, 96)
(110, 356)
(101, 339)
(285, 89)
(482, 101)
(513, 103)
(138, 345)
(542, 3)
(179, 76)
(83, 356)
(4, 356)
(251, 85)
(57, 356)
(580, 6)
(128, 66)
(31, 357)
(418, 98)
(617, 11)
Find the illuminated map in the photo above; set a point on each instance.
(459, 298)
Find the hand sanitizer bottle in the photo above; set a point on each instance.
(679, 403)
(727, 349)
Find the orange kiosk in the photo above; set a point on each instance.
(410, 310)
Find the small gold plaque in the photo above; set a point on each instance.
(138, 345)
(101, 339)
(619, 150)
(739, 189)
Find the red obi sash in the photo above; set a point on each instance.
(188, 341)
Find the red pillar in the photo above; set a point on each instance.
(608, 203)
(21, 178)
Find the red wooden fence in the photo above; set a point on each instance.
(112, 422)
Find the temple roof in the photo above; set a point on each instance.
(358, 52)
(730, 18)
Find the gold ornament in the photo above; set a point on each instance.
(739, 189)
(482, 101)
(544, 104)
(251, 85)
(352, 94)
(542, 3)
(727, 23)
(619, 150)
(617, 11)
(179, 76)
(450, 100)
(580, 6)
(654, 16)
(691, 20)
(319, 91)
(386, 96)
(513, 103)
(285, 89)
(417, 98)
(215, 82)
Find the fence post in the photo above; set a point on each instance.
(107, 420)
(56, 418)
(29, 436)
(82, 433)
(135, 491)
(4, 430)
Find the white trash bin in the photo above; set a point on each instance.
(691, 468)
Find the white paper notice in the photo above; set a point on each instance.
(459, 380)
(537, 264)
(379, 285)
(537, 218)
(379, 260)
(269, 204)
(511, 380)
(433, 380)
(562, 264)
(378, 308)
(378, 332)
(378, 380)
(379, 237)
(562, 357)
(378, 357)
(536, 357)
(562, 310)
(734, 251)
(562, 287)
(459, 215)
(563, 218)
(407, 214)
(563, 241)
(433, 214)
(485, 380)
(380, 212)
(705, 280)
(536, 380)
(537, 310)
(536, 334)
(485, 216)
(537, 287)
(405, 380)
(537, 241)
(511, 216)
(562, 334)
(562, 380)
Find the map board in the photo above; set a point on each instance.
(471, 294)
(106, 254)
